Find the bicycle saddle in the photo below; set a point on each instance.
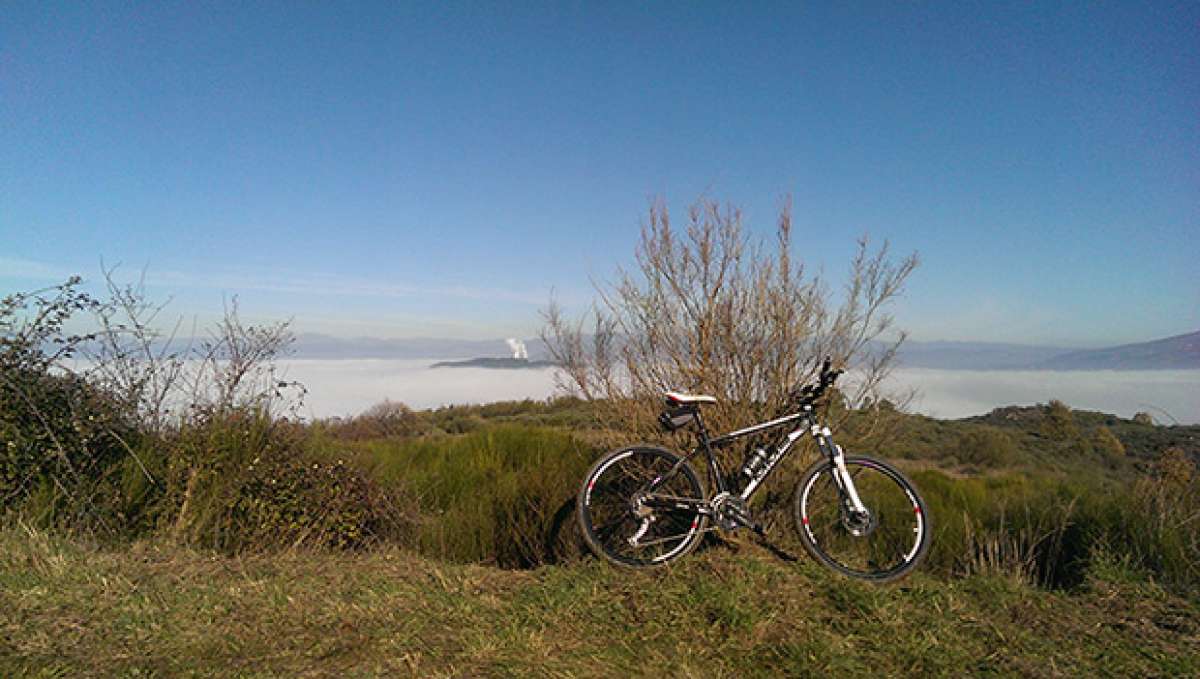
(688, 399)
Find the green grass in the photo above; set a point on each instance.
(159, 610)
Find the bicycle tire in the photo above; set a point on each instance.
(605, 514)
(854, 545)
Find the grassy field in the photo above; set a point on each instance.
(443, 543)
(68, 610)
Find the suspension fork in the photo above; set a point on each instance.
(841, 477)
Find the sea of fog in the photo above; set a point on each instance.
(346, 387)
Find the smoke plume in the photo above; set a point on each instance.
(518, 348)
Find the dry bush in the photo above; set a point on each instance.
(386, 419)
(1058, 422)
(166, 381)
(130, 359)
(710, 310)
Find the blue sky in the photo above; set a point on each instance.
(421, 169)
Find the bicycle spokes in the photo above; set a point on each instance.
(881, 540)
(632, 526)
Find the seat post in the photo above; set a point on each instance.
(703, 429)
(716, 476)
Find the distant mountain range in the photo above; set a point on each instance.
(312, 345)
(1181, 352)
(975, 355)
(501, 363)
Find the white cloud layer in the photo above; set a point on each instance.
(350, 386)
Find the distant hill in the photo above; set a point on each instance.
(1181, 352)
(503, 363)
(974, 355)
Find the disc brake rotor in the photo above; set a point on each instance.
(859, 524)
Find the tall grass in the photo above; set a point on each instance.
(502, 495)
(1051, 531)
(1157, 523)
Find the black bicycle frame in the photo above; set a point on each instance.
(805, 422)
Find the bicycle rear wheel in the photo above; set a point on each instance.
(883, 544)
(609, 515)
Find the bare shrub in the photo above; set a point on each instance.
(129, 358)
(235, 368)
(711, 310)
(165, 380)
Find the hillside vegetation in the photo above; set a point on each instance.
(1036, 570)
(228, 537)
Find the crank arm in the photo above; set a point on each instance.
(669, 538)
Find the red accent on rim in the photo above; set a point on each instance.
(806, 520)
(916, 509)
(592, 484)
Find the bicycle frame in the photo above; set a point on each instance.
(805, 423)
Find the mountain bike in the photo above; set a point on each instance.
(645, 506)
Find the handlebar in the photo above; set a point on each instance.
(809, 393)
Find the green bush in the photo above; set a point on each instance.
(58, 439)
(242, 480)
(64, 444)
(1049, 531)
(295, 501)
(988, 447)
(1108, 445)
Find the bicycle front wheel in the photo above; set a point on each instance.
(884, 543)
(627, 532)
